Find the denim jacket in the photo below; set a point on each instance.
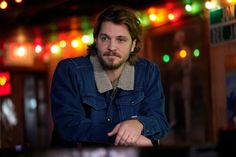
(85, 107)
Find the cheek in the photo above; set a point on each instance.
(101, 47)
(128, 49)
(125, 50)
(126, 54)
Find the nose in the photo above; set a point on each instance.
(112, 45)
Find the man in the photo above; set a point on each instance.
(109, 96)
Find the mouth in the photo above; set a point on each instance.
(111, 58)
(111, 54)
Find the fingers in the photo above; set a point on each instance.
(121, 137)
(127, 132)
(114, 131)
(129, 141)
(124, 138)
(132, 140)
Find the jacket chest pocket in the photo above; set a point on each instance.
(95, 108)
(129, 104)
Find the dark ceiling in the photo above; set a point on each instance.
(35, 12)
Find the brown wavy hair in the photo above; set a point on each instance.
(120, 15)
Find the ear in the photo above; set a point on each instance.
(133, 45)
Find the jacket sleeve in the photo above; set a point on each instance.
(67, 111)
(152, 113)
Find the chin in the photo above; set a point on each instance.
(112, 66)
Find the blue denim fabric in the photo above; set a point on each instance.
(82, 114)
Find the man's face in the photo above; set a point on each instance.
(114, 45)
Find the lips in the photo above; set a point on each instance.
(111, 58)
(111, 54)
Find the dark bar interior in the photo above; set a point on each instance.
(192, 41)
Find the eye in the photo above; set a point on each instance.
(121, 40)
(104, 38)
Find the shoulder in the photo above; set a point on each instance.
(76, 62)
(146, 65)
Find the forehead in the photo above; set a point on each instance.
(113, 29)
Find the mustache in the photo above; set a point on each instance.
(112, 53)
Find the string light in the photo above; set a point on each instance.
(208, 5)
(85, 39)
(231, 1)
(18, 1)
(74, 43)
(3, 4)
(183, 53)
(154, 16)
(166, 58)
(38, 49)
(62, 43)
(171, 16)
(21, 51)
(55, 49)
(196, 53)
(188, 8)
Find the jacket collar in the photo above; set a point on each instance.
(126, 80)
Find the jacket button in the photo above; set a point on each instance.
(108, 119)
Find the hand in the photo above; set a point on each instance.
(127, 132)
(143, 142)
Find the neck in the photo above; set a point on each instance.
(114, 74)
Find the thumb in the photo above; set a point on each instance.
(114, 131)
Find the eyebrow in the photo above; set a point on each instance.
(119, 36)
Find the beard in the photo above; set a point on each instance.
(110, 65)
